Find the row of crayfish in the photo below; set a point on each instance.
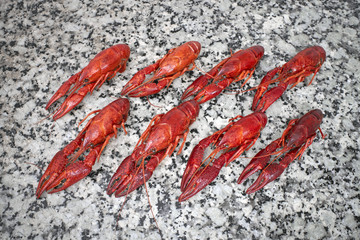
(165, 131)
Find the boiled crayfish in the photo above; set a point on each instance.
(233, 140)
(305, 63)
(63, 171)
(102, 67)
(159, 140)
(297, 137)
(174, 64)
(232, 69)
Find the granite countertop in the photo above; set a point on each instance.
(43, 43)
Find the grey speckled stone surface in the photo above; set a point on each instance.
(42, 44)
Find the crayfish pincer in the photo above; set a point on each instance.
(232, 141)
(63, 171)
(305, 63)
(297, 137)
(174, 64)
(159, 140)
(102, 67)
(237, 67)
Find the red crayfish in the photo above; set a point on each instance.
(174, 64)
(159, 140)
(305, 63)
(234, 139)
(63, 172)
(103, 66)
(297, 137)
(232, 69)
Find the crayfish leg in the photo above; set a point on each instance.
(243, 75)
(109, 75)
(286, 131)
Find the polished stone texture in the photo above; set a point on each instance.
(43, 43)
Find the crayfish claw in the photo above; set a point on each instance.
(248, 171)
(259, 161)
(209, 92)
(257, 104)
(54, 98)
(138, 180)
(118, 184)
(64, 89)
(270, 97)
(56, 166)
(196, 86)
(128, 177)
(58, 176)
(44, 182)
(204, 176)
(72, 174)
(195, 186)
(268, 175)
(134, 82)
(273, 170)
(148, 89)
(122, 176)
(195, 159)
(72, 101)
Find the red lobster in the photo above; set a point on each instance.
(103, 66)
(159, 140)
(63, 172)
(234, 139)
(305, 63)
(297, 137)
(174, 64)
(232, 69)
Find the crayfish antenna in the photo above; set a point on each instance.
(83, 120)
(202, 71)
(235, 92)
(41, 120)
(148, 197)
(153, 104)
(35, 165)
